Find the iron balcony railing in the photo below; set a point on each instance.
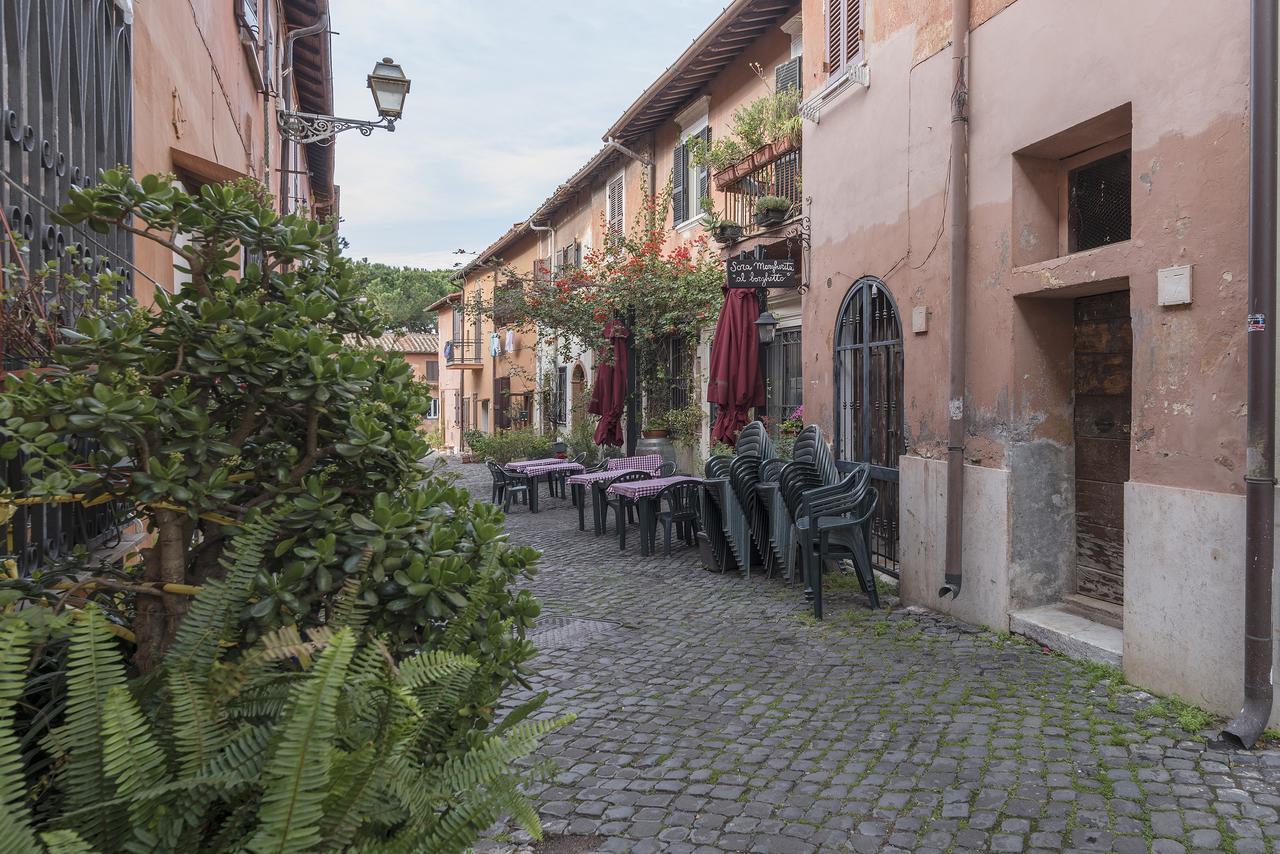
(779, 176)
(463, 351)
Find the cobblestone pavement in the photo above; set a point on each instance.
(714, 715)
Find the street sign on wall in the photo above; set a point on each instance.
(761, 273)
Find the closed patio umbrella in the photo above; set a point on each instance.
(609, 394)
(736, 384)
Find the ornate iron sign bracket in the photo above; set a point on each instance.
(308, 128)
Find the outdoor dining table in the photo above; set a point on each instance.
(645, 495)
(547, 469)
(521, 465)
(580, 483)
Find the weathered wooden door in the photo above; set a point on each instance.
(1103, 402)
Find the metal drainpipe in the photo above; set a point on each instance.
(959, 291)
(633, 421)
(537, 362)
(1260, 479)
(320, 25)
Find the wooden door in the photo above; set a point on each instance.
(1103, 402)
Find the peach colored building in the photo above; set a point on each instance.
(750, 50)
(1104, 410)
(208, 79)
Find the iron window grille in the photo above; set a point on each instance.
(1100, 199)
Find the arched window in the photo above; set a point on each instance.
(868, 403)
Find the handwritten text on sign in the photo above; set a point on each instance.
(761, 273)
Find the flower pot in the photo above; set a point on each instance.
(786, 145)
(654, 434)
(726, 234)
(770, 218)
(763, 156)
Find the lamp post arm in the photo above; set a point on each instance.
(308, 128)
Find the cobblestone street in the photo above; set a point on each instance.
(715, 715)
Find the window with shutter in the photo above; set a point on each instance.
(703, 173)
(844, 33)
(787, 75)
(679, 182)
(613, 205)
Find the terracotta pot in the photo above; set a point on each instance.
(762, 156)
(654, 434)
(784, 146)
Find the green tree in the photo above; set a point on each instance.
(400, 295)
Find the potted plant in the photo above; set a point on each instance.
(724, 231)
(655, 427)
(772, 210)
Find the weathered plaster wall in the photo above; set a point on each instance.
(1184, 595)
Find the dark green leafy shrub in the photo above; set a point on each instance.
(297, 742)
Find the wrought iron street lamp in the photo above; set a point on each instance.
(389, 86)
(766, 323)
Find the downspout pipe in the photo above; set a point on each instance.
(959, 292)
(537, 362)
(633, 393)
(1260, 477)
(286, 84)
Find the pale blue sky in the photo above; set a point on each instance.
(509, 98)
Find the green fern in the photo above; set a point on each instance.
(15, 823)
(137, 764)
(297, 776)
(94, 668)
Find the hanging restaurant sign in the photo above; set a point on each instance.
(762, 273)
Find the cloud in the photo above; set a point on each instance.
(509, 98)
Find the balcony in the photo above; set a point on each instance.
(463, 354)
(770, 171)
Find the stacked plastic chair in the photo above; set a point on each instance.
(721, 500)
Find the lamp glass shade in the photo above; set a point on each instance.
(766, 327)
(389, 86)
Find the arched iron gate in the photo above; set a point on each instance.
(868, 404)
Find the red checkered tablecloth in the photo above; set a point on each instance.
(647, 462)
(552, 468)
(588, 478)
(644, 488)
(530, 464)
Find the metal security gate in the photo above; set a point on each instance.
(65, 115)
(868, 404)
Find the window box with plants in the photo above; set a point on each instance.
(772, 210)
(760, 132)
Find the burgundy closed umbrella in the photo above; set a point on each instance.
(609, 394)
(736, 384)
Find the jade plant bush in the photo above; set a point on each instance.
(303, 740)
(237, 395)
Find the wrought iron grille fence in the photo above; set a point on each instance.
(65, 115)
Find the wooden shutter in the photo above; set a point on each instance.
(704, 174)
(844, 33)
(852, 29)
(835, 34)
(613, 203)
(679, 180)
(502, 403)
(787, 75)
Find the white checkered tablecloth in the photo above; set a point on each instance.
(644, 488)
(588, 478)
(553, 468)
